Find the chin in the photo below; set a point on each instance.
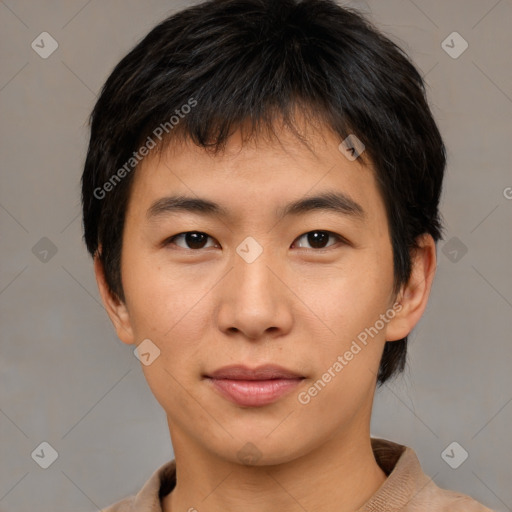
(260, 451)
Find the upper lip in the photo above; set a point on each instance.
(265, 372)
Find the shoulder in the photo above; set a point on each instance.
(408, 488)
(124, 505)
(160, 483)
(444, 500)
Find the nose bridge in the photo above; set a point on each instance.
(251, 269)
(252, 275)
(253, 300)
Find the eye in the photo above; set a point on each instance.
(193, 239)
(318, 239)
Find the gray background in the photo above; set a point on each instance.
(65, 377)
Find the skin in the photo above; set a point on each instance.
(296, 306)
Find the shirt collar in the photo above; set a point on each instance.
(405, 480)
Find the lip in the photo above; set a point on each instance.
(254, 387)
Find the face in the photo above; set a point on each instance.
(250, 273)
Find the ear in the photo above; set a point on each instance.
(413, 296)
(115, 308)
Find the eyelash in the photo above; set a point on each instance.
(170, 241)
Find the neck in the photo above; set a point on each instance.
(339, 476)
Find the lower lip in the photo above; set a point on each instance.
(254, 393)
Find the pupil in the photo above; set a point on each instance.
(195, 240)
(317, 239)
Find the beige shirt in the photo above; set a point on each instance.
(407, 488)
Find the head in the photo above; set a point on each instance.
(246, 104)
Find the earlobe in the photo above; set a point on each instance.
(116, 309)
(414, 295)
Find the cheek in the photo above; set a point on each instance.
(350, 294)
(347, 303)
(162, 300)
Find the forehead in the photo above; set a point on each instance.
(248, 175)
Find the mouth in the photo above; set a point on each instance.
(253, 387)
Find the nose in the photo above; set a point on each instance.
(255, 300)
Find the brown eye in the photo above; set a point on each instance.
(193, 240)
(318, 239)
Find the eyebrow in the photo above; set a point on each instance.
(336, 202)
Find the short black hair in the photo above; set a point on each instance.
(212, 68)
